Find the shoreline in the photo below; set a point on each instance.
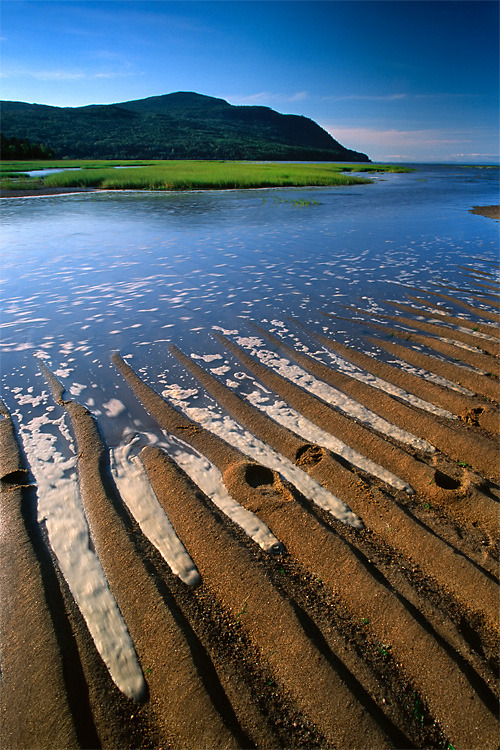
(43, 192)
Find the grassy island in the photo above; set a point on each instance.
(184, 175)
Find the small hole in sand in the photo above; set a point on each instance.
(446, 482)
(309, 455)
(472, 415)
(19, 477)
(277, 549)
(256, 475)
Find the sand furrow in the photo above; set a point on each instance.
(491, 303)
(477, 271)
(478, 379)
(279, 411)
(424, 374)
(454, 573)
(347, 365)
(209, 479)
(482, 384)
(366, 598)
(236, 435)
(477, 311)
(474, 410)
(370, 444)
(33, 665)
(138, 495)
(471, 293)
(264, 615)
(483, 345)
(339, 364)
(68, 533)
(326, 391)
(468, 513)
(478, 354)
(454, 440)
(455, 402)
(472, 276)
(175, 422)
(183, 710)
(297, 547)
(484, 332)
(220, 433)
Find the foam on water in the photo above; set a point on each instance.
(60, 507)
(209, 479)
(357, 373)
(283, 414)
(235, 434)
(137, 493)
(434, 377)
(329, 394)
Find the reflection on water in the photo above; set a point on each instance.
(51, 170)
(83, 275)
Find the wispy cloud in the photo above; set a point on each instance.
(55, 75)
(365, 97)
(475, 156)
(408, 145)
(394, 137)
(431, 144)
(92, 20)
(398, 96)
(267, 98)
(60, 74)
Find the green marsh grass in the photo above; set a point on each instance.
(188, 174)
(12, 177)
(373, 168)
(20, 182)
(294, 201)
(206, 175)
(28, 166)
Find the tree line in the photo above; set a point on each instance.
(23, 149)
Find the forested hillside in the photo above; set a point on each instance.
(182, 125)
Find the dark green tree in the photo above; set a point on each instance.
(22, 148)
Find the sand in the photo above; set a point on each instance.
(492, 212)
(361, 616)
(43, 191)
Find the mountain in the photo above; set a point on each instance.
(182, 125)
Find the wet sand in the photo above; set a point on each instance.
(492, 212)
(43, 192)
(375, 627)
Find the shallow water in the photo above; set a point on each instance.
(51, 170)
(86, 274)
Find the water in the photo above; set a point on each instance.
(51, 170)
(55, 170)
(86, 274)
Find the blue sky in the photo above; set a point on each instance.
(398, 80)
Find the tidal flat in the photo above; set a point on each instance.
(249, 466)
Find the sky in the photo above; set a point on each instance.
(399, 80)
